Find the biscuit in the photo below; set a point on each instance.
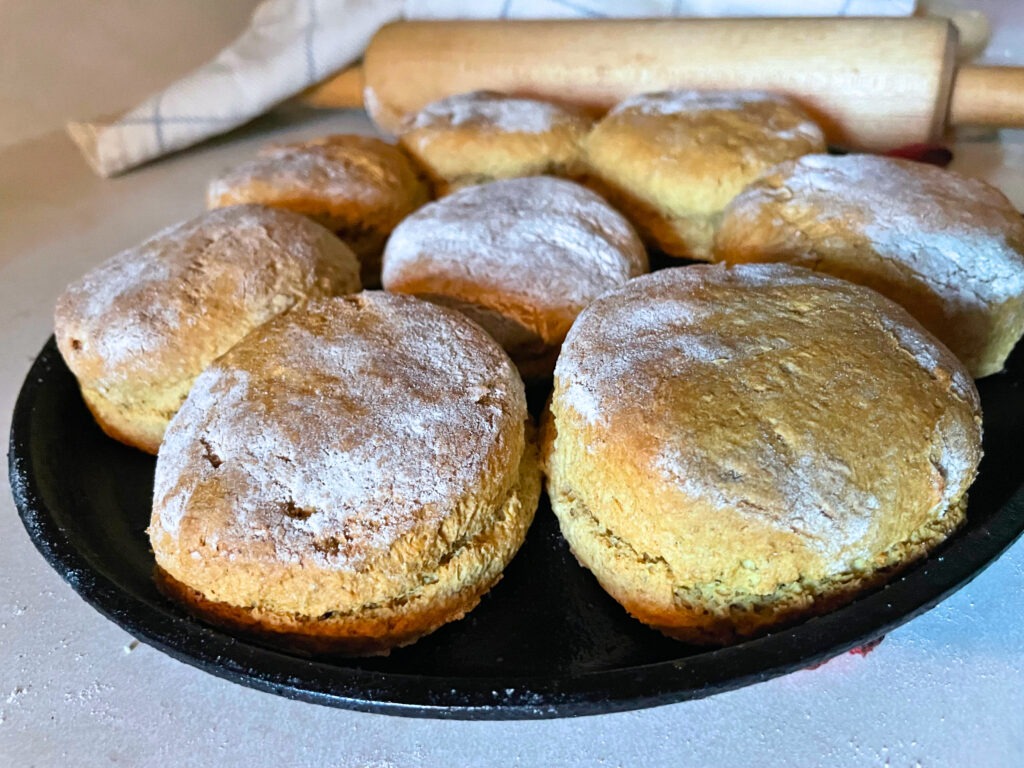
(348, 478)
(358, 187)
(948, 248)
(139, 328)
(522, 257)
(732, 450)
(474, 138)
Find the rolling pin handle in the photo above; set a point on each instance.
(990, 96)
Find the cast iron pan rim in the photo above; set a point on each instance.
(695, 676)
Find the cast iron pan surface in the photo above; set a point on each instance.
(546, 642)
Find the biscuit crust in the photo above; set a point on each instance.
(729, 450)
(672, 160)
(947, 248)
(358, 472)
(359, 187)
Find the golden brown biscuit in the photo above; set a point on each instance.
(357, 186)
(730, 450)
(522, 257)
(948, 248)
(139, 328)
(473, 138)
(348, 478)
(672, 160)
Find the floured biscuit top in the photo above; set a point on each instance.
(685, 151)
(336, 172)
(159, 312)
(328, 434)
(538, 248)
(489, 111)
(959, 234)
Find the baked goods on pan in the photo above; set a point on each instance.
(732, 449)
(137, 329)
(522, 257)
(349, 477)
(950, 249)
(672, 160)
(473, 138)
(357, 186)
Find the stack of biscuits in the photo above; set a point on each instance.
(729, 446)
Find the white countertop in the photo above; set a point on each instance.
(947, 689)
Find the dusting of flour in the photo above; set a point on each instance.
(539, 242)
(914, 216)
(490, 111)
(775, 114)
(330, 433)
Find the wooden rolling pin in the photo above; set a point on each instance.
(872, 83)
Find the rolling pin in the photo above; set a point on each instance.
(873, 84)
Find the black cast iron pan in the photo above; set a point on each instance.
(546, 642)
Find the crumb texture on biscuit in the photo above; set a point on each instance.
(522, 257)
(948, 248)
(365, 457)
(735, 432)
